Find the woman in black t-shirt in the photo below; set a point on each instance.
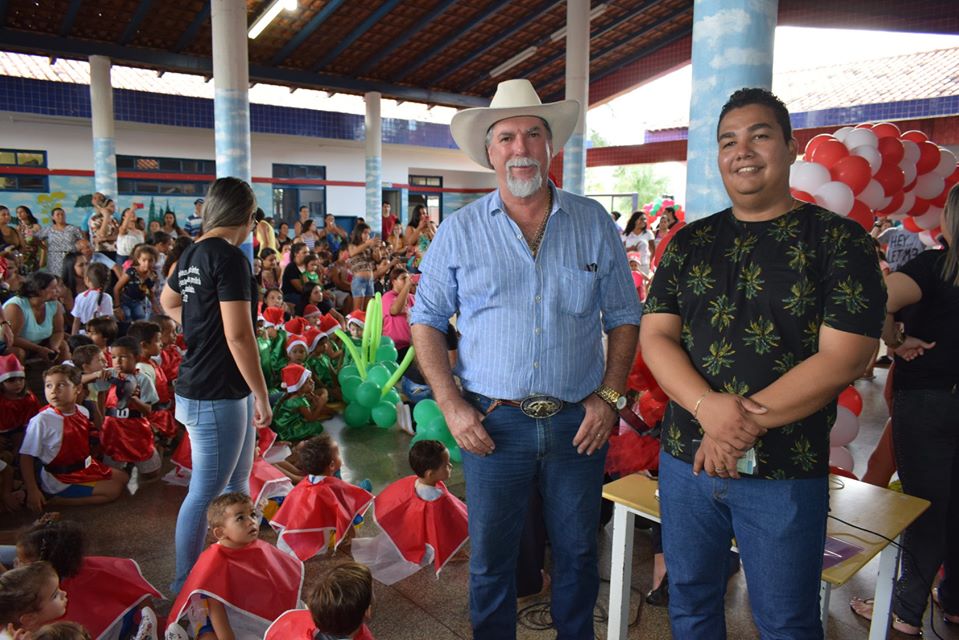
(220, 394)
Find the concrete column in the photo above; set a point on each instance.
(101, 110)
(374, 163)
(577, 88)
(231, 101)
(732, 49)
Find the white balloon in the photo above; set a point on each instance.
(897, 217)
(908, 201)
(885, 201)
(841, 134)
(808, 176)
(908, 170)
(929, 185)
(861, 138)
(871, 154)
(872, 195)
(845, 428)
(835, 196)
(930, 219)
(840, 457)
(947, 163)
(912, 153)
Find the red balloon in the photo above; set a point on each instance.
(851, 399)
(829, 152)
(886, 130)
(915, 135)
(864, 125)
(891, 177)
(940, 200)
(854, 171)
(814, 142)
(894, 205)
(920, 207)
(802, 195)
(929, 156)
(891, 150)
(909, 224)
(953, 177)
(862, 214)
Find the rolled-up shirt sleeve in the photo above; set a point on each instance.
(619, 301)
(436, 293)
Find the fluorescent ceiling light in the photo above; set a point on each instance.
(512, 62)
(595, 13)
(267, 17)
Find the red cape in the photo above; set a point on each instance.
(266, 481)
(411, 523)
(16, 413)
(104, 591)
(298, 625)
(312, 512)
(259, 580)
(183, 455)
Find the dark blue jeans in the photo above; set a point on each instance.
(925, 431)
(780, 528)
(498, 486)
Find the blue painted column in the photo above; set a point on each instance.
(732, 49)
(577, 88)
(231, 99)
(374, 164)
(101, 111)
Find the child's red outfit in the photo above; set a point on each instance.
(127, 434)
(61, 442)
(162, 416)
(15, 413)
(318, 508)
(170, 359)
(103, 593)
(298, 625)
(421, 531)
(256, 584)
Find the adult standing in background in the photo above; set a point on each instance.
(291, 281)
(533, 300)
(103, 227)
(194, 224)
(171, 227)
(29, 230)
(11, 236)
(334, 234)
(419, 234)
(263, 233)
(389, 220)
(220, 393)
(60, 239)
(901, 245)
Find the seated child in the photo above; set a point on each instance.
(298, 413)
(96, 376)
(147, 335)
(95, 301)
(320, 510)
(239, 581)
(295, 325)
(339, 606)
(272, 345)
(108, 596)
(61, 631)
(17, 403)
(58, 438)
(421, 521)
(127, 439)
(30, 597)
(10, 500)
(103, 331)
(170, 356)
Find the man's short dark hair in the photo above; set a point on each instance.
(756, 95)
(426, 455)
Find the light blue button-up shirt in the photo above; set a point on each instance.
(528, 326)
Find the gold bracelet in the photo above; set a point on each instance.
(699, 402)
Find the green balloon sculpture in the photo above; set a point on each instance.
(368, 382)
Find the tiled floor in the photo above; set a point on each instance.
(422, 606)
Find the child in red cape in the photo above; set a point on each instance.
(339, 606)
(421, 521)
(17, 403)
(321, 509)
(240, 584)
(147, 334)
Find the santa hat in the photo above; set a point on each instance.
(312, 335)
(311, 310)
(295, 325)
(328, 325)
(633, 256)
(293, 377)
(10, 367)
(356, 317)
(295, 339)
(273, 317)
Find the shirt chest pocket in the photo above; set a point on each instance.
(576, 291)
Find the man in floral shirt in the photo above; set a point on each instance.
(757, 318)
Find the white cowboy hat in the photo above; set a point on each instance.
(513, 98)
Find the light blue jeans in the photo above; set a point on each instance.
(222, 438)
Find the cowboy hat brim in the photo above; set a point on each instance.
(469, 126)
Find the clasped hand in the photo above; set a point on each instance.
(730, 431)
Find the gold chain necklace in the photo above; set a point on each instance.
(538, 238)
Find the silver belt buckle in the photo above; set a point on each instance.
(540, 407)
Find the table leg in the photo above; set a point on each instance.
(621, 572)
(882, 600)
(825, 590)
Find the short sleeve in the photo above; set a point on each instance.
(232, 274)
(854, 292)
(39, 439)
(148, 390)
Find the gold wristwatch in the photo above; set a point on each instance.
(612, 397)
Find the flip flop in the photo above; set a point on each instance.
(863, 609)
(947, 617)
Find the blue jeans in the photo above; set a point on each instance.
(528, 452)
(134, 310)
(415, 392)
(222, 437)
(780, 528)
(361, 286)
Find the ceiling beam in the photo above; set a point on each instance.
(354, 35)
(40, 44)
(536, 14)
(315, 22)
(446, 42)
(402, 40)
(138, 17)
(69, 17)
(188, 36)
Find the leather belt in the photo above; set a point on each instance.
(536, 406)
(123, 413)
(68, 468)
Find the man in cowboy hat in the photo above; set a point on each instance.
(535, 275)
